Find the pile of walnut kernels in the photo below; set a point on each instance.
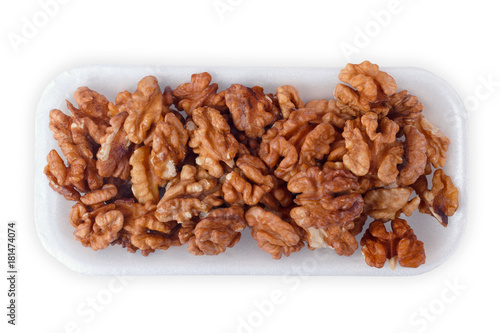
(195, 166)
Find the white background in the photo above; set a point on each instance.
(457, 42)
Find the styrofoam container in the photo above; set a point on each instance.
(442, 107)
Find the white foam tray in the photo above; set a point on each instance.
(442, 106)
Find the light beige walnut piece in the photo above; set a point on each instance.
(211, 140)
(145, 182)
(387, 204)
(437, 142)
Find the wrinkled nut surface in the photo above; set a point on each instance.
(92, 115)
(437, 142)
(288, 99)
(144, 180)
(192, 192)
(387, 204)
(168, 141)
(370, 84)
(107, 192)
(329, 112)
(146, 177)
(372, 148)
(144, 107)
(327, 218)
(272, 234)
(248, 183)
(404, 108)
(316, 184)
(199, 92)
(441, 201)
(252, 110)
(212, 141)
(57, 174)
(148, 234)
(415, 158)
(60, 124)
(400, 244)
(296, 143)
(217, 231)
(115, 151)
(96, 228)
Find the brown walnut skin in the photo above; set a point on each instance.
(372, 148)
(288, 99)
(252, 111)
(212, 141)
(401, 244)
(192, 192)
(198, 93)
(116, 149)
(144, 108)
(217, 231)
(248, 183)
(437, 142)
(371, 87)
(273, 235)
(389, 203)
(96, 228)
(92, 115)
(168, 140)
(441, 201)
